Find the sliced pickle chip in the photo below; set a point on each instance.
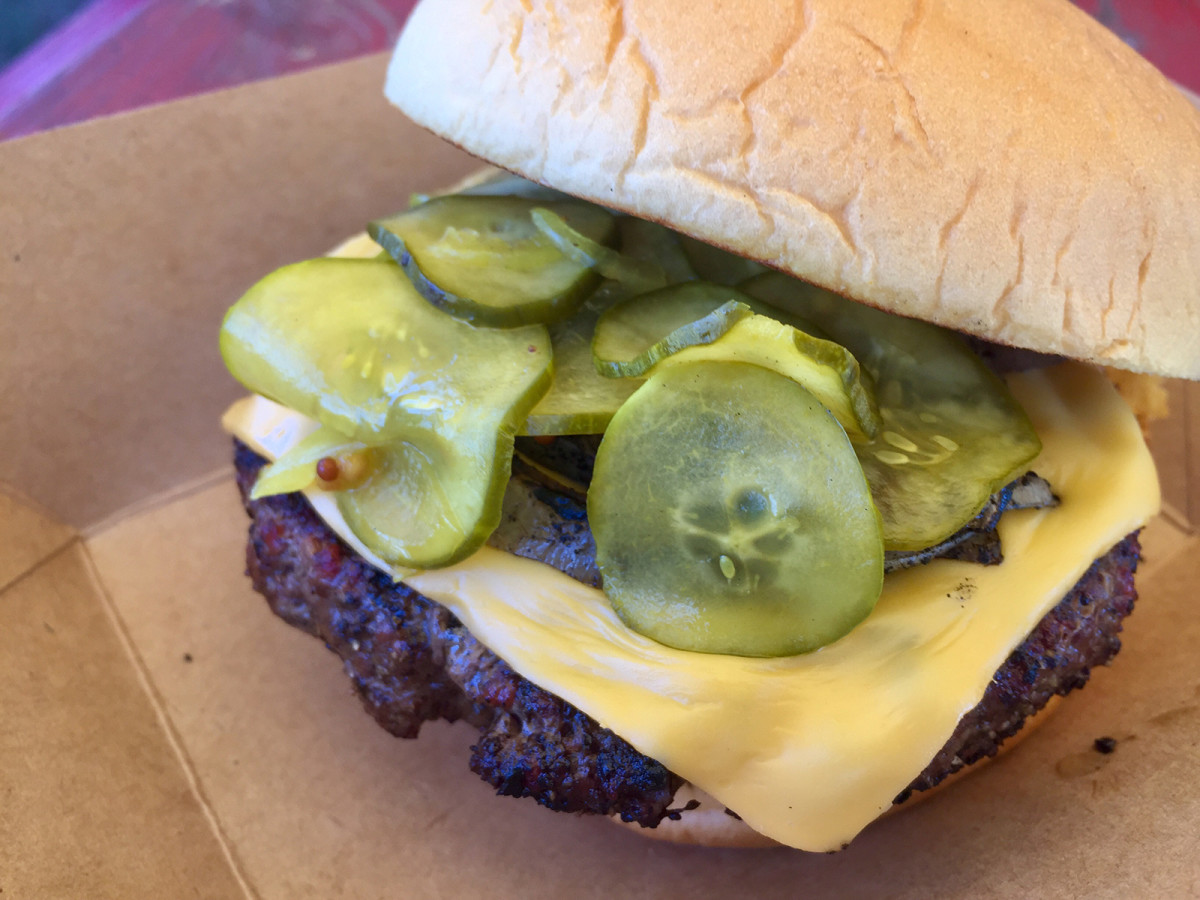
(350, 343)
(676, 325)
(635, 273)
(731, 516)
(828, 370)
(635, 335)
(483, 259)
(580, 399)
(423, 506)
(952, 433)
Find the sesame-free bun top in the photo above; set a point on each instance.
(1008, 169)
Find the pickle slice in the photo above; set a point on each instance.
(679, 325)
(580, 400)
(731, 516)
(828, 370)
(482, 258)
(424, 506)
(635, 273)
(635, 335)
(351, 344)
(952, 434)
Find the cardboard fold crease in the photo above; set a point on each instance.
(162, 735)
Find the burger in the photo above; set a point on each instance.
(739, 454)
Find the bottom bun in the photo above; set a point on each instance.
(710, 824)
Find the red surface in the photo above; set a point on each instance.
(162, 49)
(121, 54)
(1166, 32)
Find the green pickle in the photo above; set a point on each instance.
(707, 547)
(826, 369)
(580, 399)
(684, 323)
(351, 344)
(483, 259)
(633, 271)
(952, 433)
(634, 336)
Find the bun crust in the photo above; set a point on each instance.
(1011, 169)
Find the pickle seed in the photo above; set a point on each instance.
(740, 539)
(728, 569)
(900, 442)
(892, 458)
(944, 442)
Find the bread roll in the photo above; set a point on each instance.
(1008, 169)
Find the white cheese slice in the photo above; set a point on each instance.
(810, 749)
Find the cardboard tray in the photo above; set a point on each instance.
(163, 735)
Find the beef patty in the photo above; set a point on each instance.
(411, 661)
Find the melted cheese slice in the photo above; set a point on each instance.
(810, 749)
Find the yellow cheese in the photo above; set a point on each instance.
(810, 749)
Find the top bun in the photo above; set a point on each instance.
(1010, 169)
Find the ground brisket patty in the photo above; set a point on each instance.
(411, 661)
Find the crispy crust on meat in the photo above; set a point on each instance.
(411, 661)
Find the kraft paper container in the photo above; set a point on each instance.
(162, 735)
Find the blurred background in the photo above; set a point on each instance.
(63, 61)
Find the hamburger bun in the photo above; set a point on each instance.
(1013, 171)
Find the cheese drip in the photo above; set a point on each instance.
(809, 749)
